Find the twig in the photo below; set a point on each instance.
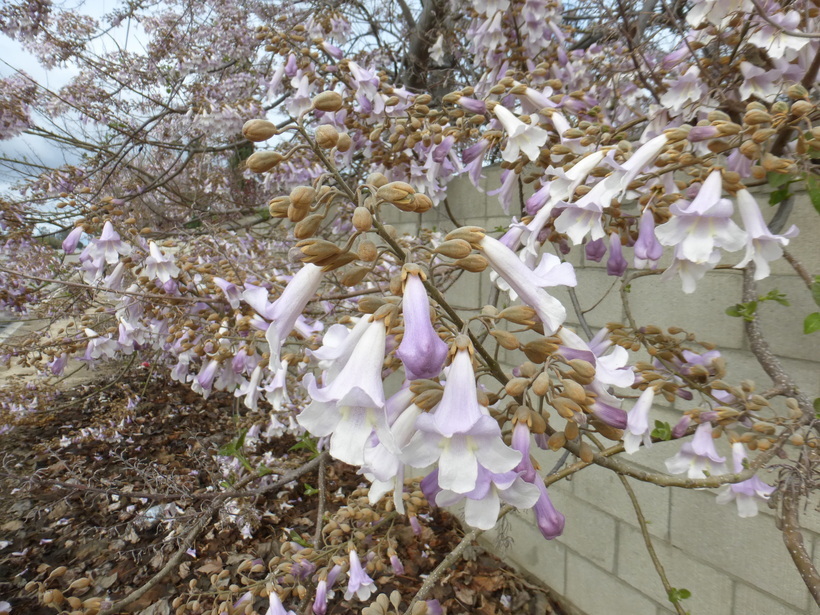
(798, 267)
(199, 526)
(433, 578)
(647, 539)
(320, 512)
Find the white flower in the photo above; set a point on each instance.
(520, 136)
(158, 265)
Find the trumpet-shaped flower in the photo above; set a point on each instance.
(421, 350)
(483, 502)
(359, 583)
(698, 456)
(460, 434)
(747, 493)
(762, 246)
(72, 239)
(108, 247)
(352, 406)
(637, 423)
(521, 281)
(648, 250)
(521, 137)
(699, 227)
(284, 312)
(276, 607)
(160, 266)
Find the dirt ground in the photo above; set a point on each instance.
(97, 489)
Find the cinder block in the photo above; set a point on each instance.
(711, 589)
(595, 293)
(597, 592)
(805, 247)
(783, 326)
(750, 549)
(523, 545)
(749, 600)
(588, 531)
(742, 365)
(665, 304)
(604, 490)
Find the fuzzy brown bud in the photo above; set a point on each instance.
(302, 196)
(261, 162)
(278, 207)
(355, 275)
(454, 248)
(344, 143)
(328, 101)
(362, 219)
(367, 251)
(308, 227)
(259, 130)
(474, 263)
(422, 203)
(326, 136)
(505, 339)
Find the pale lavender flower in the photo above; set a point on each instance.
(472, 105)
(595, 250)
(679, 430)
(320, 602)
(204, 381)
(71, 241)
(648, 249)
(352, 406)
(459, 434)
(231, 291)
(108, 247)
(395, 563)
(276, 390)
(637, 423)
(160, 265)
(521, 281)
(114, 280)
(747, 493)
(688, 88)
(520, 136)
(284, 312)
(483, 502)
(100, 345)
(276, 607)
(506, 189)
(616, 263)
(550, 522)
(359, 583)
(421, 350)
(762, 245)
(699, 456)
(699, 227)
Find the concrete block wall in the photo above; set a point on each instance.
(600, 566)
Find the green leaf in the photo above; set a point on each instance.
(815, 289)
(812, 323)
(662, 431)
(813, 188)
(779, 195)
(310, 490)
(195, 223)
(733, 311)
(775, 295)
(299, 540)
(779, 179)
(263, 470)
(676, 595)
(306, 443)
